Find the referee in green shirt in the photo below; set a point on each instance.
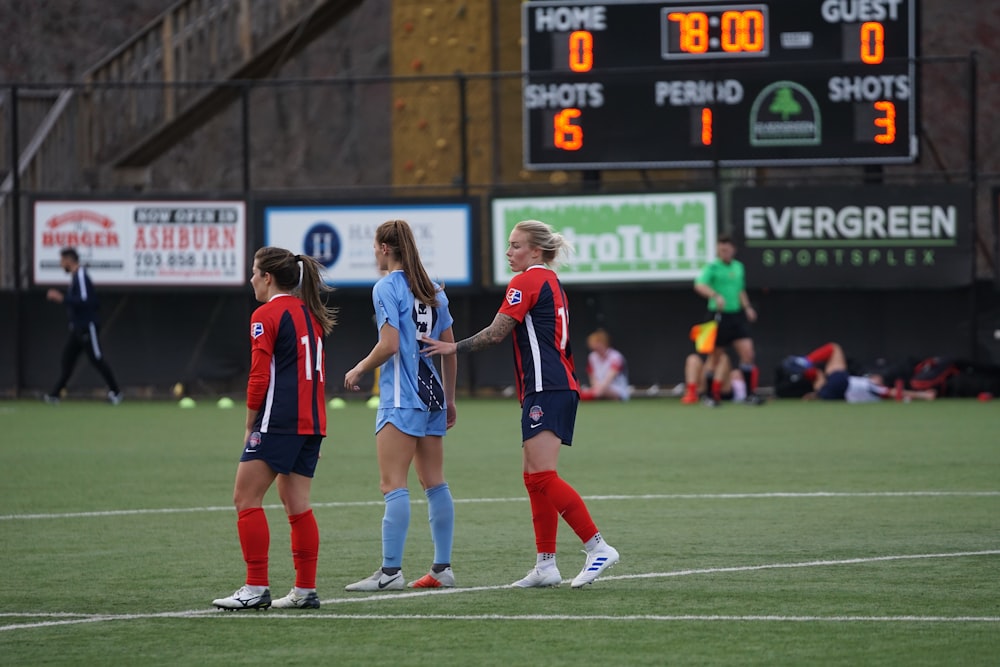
(723, 283)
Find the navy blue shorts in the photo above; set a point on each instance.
(549, 411)
(284, 452)
(835, 387)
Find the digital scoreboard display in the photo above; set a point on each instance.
(637, 85)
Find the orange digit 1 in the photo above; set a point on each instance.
(706, 127)
(567, 136)
(887, 121)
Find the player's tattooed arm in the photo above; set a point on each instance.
(500, 328)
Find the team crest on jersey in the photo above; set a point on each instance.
(256, 329)
(535, 413)
(513, 296)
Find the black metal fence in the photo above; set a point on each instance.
(457, 135)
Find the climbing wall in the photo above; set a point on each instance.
(431, 41)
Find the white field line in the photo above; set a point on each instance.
(59, 619)
(417, 501)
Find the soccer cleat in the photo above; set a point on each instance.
(380, 581)
(539, 577)
(689, 399)
(244, 598)
(710, 402)
(443, 579)
(753, 399)
(114, 398)
(601, 558)
(50, 399)
(292, 601)
(796, 367)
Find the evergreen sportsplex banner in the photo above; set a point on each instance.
(870, 237)
(617, 238)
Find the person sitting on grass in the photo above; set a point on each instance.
(607, 370)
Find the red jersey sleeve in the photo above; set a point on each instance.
(262, 335)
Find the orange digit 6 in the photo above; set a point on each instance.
(567, 136)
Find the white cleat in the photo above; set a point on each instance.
(443, 579)
(380, 581)
(244, 598)
(546, 577)
(292, 601)
(601, 558)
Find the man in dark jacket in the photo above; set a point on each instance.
(81, 306)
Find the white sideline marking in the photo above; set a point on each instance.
(651, 496)
(74, 619)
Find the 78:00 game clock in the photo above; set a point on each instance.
(643, 84)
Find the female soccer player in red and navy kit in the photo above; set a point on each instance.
(536, 310)
(286, 422)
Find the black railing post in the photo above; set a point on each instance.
(463, 124)
(245, 135)
(15, 230)
(974, 194)
(15, 190)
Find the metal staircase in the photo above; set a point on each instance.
(159, 87)
(165, 83)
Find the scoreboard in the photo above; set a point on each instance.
(643, 84)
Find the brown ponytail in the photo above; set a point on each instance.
(399, 237)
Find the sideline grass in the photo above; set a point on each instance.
(796, 533)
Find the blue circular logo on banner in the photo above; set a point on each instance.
(322, 243)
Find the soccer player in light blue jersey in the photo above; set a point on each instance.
(416, 406)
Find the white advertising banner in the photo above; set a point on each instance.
(189, 243)
(342, 238)
(617, 238)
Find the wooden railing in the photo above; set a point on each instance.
(147, 95)
(134, 117)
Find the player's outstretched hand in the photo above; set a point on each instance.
(432, 347)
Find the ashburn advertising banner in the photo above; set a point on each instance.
(189, 243)
(617, 238)
(868, 237)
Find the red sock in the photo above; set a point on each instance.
(566, 501)
(305, 548)
(820, 355)
(255, 538)
(717, 390)
(753, 379)
(544, 517)
(692, 389)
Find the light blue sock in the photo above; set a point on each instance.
(395, 523)
(441, 514)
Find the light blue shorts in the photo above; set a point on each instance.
(413, 421)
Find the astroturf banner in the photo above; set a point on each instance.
(870, 237)
(143, 242)
(633, 238)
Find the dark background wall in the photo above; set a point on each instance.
(154, 340)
